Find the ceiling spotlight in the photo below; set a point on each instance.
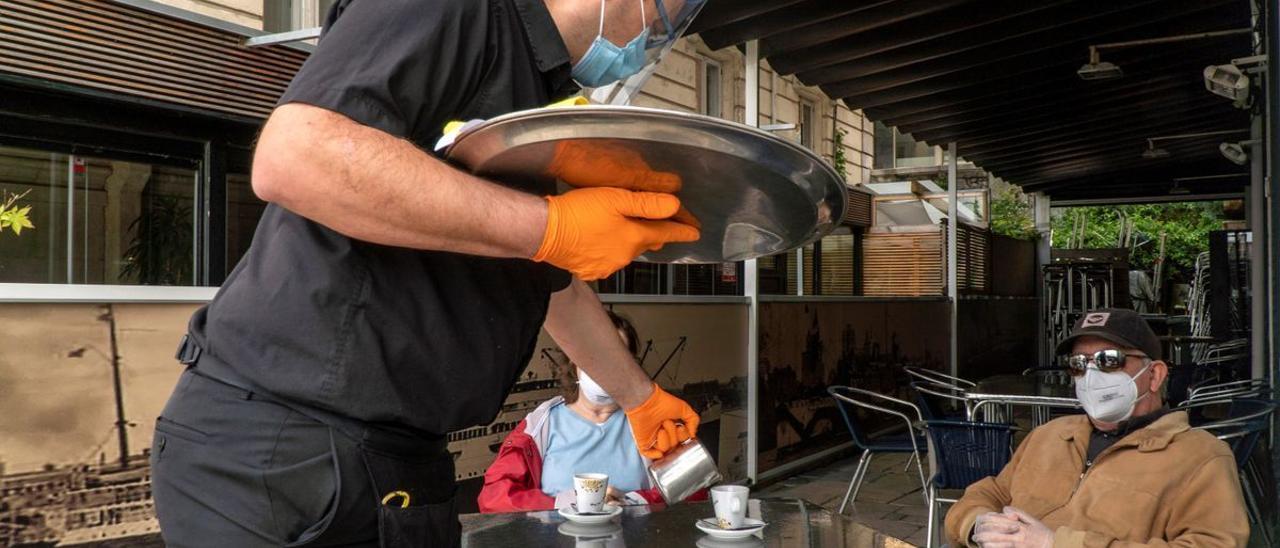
(1234, 152)
(1097, 69)
(1228, 81)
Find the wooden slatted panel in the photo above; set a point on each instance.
(837, 265)
(903, 263)
(858, 211)
(974, 254)
(121, 49)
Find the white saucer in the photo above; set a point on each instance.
(607, 530)
(571, 513)
(712, 542)
(749, 527)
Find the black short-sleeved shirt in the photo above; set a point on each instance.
(428, 340)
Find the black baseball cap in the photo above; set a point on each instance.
(1118, 325)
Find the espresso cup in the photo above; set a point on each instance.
(730, 502)
(590, 490)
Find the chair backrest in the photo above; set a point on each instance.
(1241, 436)
(1245, 388)
(848, 396)
(1224, 412)
(936, 377)
(968, 451)
(937, 402)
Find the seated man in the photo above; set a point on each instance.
(1131, 473)
(581, 431)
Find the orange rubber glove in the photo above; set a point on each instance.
(595, 163)
(594, 232)
(654, 423)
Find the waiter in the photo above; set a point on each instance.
(389, 298)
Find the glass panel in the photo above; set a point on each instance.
(98, 220)
(837, 265)
(711, 88)
(912, 154)
(244, 209)
(277, 15)
(883, 147)
(323, 9)
(707, 279)
(807, 127)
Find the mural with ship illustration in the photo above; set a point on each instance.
(82, 384)
(807, 346)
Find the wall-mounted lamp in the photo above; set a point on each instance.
(1153, 152)
(1097, 69)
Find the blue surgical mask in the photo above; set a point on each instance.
(605, 63)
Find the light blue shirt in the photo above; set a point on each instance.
(576, 445)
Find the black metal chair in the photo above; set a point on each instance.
(1247, 421)
(963, 453)
(938, 402)
(909, 442)
(939, 378)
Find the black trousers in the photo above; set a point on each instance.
(231, 467)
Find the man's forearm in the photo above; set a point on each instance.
(371, 186)
(578, 323)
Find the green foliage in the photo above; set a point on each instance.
(1011, 214)
(13, 216)
(160, 253)
(1186, 227)
(838, 158)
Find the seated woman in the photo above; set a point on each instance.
(582, 431)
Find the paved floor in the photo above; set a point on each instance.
(889, 501)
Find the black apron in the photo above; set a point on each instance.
(408, 479)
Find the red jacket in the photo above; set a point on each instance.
(513, 483)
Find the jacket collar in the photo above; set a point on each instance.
(1155, 437)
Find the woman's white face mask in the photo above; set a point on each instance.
(593, 392)
(1109, 397)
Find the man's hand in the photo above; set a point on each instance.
(595, 164)
(594, 232)
(1012, 528)
(654, 426)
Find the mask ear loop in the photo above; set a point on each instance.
(600, 31)
(644, 21)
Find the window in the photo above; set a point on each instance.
(244, 209)
(808, 126)
(898, 150)
(287, 15)
(711, 97)
(100, 219)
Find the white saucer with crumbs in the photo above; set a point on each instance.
(571, 513)
(749, 527)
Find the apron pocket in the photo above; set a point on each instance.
(430, 525)
(416, 480)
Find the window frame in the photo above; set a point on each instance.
(808, 131)
(303, 14)
(140, 134)
(704, 101)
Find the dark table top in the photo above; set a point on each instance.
(1055, 386)
(791, 523)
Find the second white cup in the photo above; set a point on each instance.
(730, 502)
(590, 490)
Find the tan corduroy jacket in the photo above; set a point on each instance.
(1163, 485)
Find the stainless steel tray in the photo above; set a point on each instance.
(755, 194)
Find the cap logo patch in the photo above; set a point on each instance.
(1097, 319)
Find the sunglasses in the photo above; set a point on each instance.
(1108, 360)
